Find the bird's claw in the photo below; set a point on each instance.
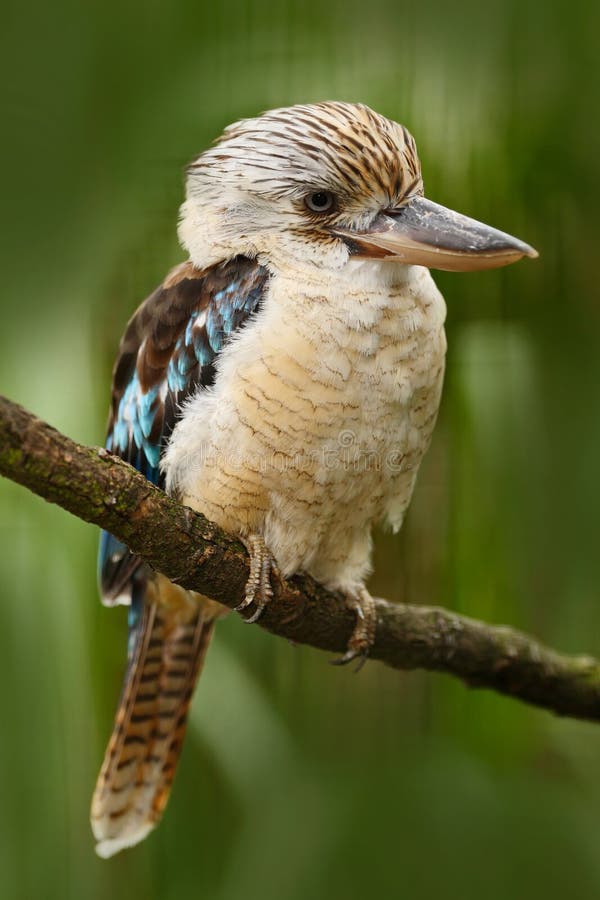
(258, 586)
(363, 636)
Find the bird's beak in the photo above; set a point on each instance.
(427, 234)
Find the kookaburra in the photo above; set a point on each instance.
(284, 381)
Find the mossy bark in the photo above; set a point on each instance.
(173, 539)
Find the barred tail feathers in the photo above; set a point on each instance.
(171, 639)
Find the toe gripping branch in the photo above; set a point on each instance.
(363, 636)
(258, 586)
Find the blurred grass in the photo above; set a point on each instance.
(298, 780)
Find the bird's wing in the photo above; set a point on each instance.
(168, 351)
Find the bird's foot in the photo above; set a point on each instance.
(258, 586)
(363, 636)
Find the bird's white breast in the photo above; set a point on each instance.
(321, 411)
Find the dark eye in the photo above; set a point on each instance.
(320, 201)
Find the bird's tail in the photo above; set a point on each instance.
(168, 641)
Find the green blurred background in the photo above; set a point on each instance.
(299, 780)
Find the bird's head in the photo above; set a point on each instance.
(321, 185)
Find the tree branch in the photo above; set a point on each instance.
(102, 489)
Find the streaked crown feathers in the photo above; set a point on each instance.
(357, 150)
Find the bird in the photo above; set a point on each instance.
(284, 380)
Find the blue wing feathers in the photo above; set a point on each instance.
(168, 351)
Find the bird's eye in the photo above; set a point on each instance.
(320, 201)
